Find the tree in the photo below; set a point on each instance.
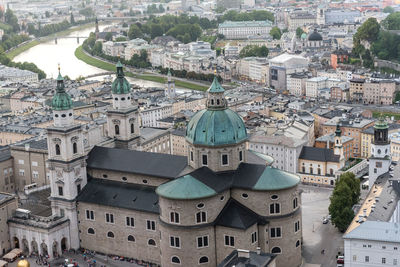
(97, 48)
(392, 22)
(108, 36)
(340, 207)
(12, 20)
(134, 32)
(275, 32)
(254, 51)
(344, 196)
(368, 31)
(388, 9)
(299, 32)
(156, 30)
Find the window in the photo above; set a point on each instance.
(296, 226)
(383, 247)
(174, 217)
(35, 175)
(204, 160)
(34, 163)
(295, 202)
(132, 128)
(274, 197)
(240, 155)
(151, 225)
(229, 241)
(58, 151)
(201, 217)
(383, 260)
(151, 242)
(90, 231)
(297, 243)
(224, 159)
(394, 261)
(176, 260)
(191, 155)
(200, 205)
(276, 250)
(354, 257)
(131, 238)
(90, 215)
(275, 232)
(203, 259)
(253, 237)
(174, 242)
(74, 148)
(21, 161)
(60, 191)
(117, 129)
(78, 188)
(109, 218)
(274, 208)
(110, 234)
(130, 221)
(202, 241)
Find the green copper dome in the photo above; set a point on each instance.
(276, 179)
(381, 124)
(338, 131)
(216, 127)
(120, 85)
(186, 187)
(216, 87)
(61, 100)
(303, 35)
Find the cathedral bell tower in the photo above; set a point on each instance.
(66, 159)
(170, 90)
(123, 117)
(380, 159)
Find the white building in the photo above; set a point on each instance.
(284, 150)
(316, 84)
(244, 29)
(114, 49)
(296, 83)
(253, 68)
(150, 116)
(372, 243)
(17, 75)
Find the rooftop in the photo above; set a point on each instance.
(377, 231)
(238, 24)
(318, 154)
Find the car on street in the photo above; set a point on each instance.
(325, 221)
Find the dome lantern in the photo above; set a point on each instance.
(120, 85)
(216, 98)
(61, 99)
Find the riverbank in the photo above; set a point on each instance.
(81, 55)
(20, 49)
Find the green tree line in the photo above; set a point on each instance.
(190, 75)
(256, 15)
(254, 51)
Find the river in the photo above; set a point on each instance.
(48, 55)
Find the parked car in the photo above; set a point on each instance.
(325, 221)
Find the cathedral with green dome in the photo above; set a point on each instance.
(170, 210)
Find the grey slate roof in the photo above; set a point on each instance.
(318, 154)
(376, 230)
(121, 195)
(5, 154)
(35, 144)
(138, 162)
(235, 215)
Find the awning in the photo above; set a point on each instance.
(3, 263)
(9, 256)
(16, 251)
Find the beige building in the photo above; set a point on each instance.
(356, 89)
(296, 83)
(30, 165)
(178, 142)
(8, 204)
(300, 19)
(381, 93)
(7, 180)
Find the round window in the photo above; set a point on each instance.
(144, 181)
(124, 178)
(70, 114)
(274, 197)
(116, 98)
(222, 198)
(200, 205)
(244, 195)
(63, 115)
(56, 115)
(123, 98)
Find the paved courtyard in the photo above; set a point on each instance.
(316, 235)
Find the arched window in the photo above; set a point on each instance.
(175, 259)
(174, 217)
(74, 148)
(297, 243)
(131, 238)
(212, 101)
(151, 242)
(110, 234)
(276, 250)
(90, 231)
(203, 259)
(117, 129)
(132, 128)
(58, 151)
(217, 101)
